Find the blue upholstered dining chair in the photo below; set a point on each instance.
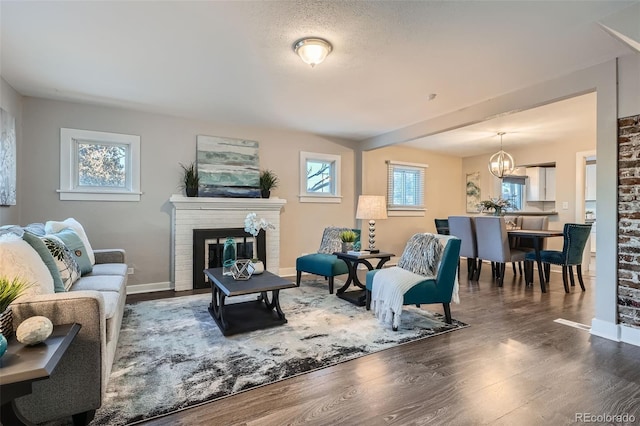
(324, 262)
(576, 236)
(428, 291)
(493, 244)
(464, 228)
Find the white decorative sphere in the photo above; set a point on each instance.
(34, 330)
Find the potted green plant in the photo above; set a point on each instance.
(268, 181)
(10, 290)
(348, 239)
(190, 179)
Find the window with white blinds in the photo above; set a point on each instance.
(405, 186)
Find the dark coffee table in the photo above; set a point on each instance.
(264, 312)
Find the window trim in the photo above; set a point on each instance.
(312, 197)
(404, 210)
(69, 191)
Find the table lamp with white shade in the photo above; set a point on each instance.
(372, 207)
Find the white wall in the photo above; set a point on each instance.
(629, 85)
(11, 101)
(143, 228)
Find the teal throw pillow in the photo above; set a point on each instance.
(73, 242)
(65, 260)
(40, 247)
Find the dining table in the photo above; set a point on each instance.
(537, 237)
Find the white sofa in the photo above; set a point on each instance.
(96, 301)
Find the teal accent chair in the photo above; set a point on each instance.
(325, 263)
(576, 236)
(438, 290)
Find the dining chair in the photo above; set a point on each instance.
(463, 227)
(576, 236)
(493, 244)
(442, 226)
(526, 244)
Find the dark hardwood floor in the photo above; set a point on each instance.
(513, 366)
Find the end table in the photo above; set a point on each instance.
(353, 259)
(22, 365)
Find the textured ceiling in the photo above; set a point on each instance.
(232, 62)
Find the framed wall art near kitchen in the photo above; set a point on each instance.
(473, 192)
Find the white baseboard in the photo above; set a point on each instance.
(150, 287)
(630, 335)
(605, 329)
(288, 272)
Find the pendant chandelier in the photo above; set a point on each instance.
(501, 163)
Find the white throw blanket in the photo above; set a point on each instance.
(389, 286)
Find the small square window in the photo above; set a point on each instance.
(99, 166)
(405, 190)
(319, 178)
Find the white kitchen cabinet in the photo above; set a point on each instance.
(550, 184)
(541, 183)
(590, 182)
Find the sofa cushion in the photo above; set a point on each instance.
(53, 227)
(65, 260)
(75, 245)
(100, 283)
(18, 259)
(111, 302)
(111, 299)
(41, 248)
(109, 269)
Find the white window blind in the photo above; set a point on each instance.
(405, 186)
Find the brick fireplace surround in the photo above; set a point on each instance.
(191, 213)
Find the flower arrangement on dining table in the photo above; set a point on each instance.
(498, 205)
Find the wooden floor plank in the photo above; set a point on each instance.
(514, 365)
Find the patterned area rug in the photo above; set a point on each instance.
(171, 355)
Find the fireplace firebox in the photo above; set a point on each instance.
(208, 245)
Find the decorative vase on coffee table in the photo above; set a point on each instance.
(258, 267)
(228, 255)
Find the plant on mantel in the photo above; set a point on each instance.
(190, 179)
(268, 181)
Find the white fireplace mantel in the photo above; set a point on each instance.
(180, 202)
(191, 213)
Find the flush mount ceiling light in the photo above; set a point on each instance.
(501, 163)
(312, 51)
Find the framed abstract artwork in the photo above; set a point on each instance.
(473, 192)
(7, 159)
(228, 167)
